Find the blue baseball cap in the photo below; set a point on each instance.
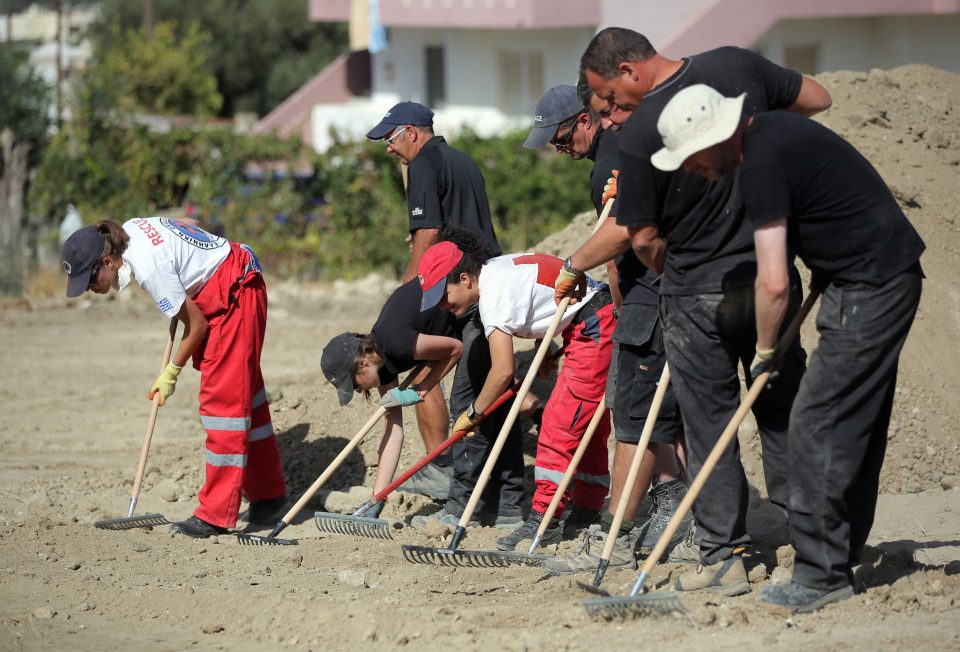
(81, 251)
(557, 104)
(405, 113)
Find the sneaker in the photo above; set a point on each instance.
(581, 518)
(528, 530)
(727, 577)
(266, 511)
(442, 515)
(687, 551)
(796, 598)
(666, 497)
(432, 481)
(587, 558)
(196, 528)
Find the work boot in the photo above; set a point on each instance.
(587, 558)
(196, 528)
(528, 530)
(508, 518)
(442, 515)
(687, 551)
(727, 577)
(266, 511)
(580, 518)
(666, 497)
(792, 598)
(432, 481)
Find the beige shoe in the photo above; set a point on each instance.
(587, 558)
(727, 577)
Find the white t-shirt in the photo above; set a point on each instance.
(516, 295)
(172, 260)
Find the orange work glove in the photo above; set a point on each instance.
(610, 189)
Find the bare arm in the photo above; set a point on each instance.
(773, 281)
(423, 239)
(648, 246)
(607, 243)
(195, 328)
(390, 444)
(443, 354)
(500, 376)
(813, 99)
(613, 277)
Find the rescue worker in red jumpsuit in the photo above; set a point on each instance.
(216, 289)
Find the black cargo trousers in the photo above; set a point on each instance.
(838, 425)
(706, 335)
(504, 493)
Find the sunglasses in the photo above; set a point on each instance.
(565, 140)
(94, 272)
(394, 136)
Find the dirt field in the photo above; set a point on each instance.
(73, 381)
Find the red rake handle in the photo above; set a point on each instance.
(451, 440)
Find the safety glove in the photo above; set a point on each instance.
(765, 360)
(397, 397)
(468, 421)
(610, 189)
(166, 383)
(570, 283)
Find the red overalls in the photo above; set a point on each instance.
(572, 404)
(241, 448)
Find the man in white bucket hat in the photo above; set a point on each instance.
(808, 191)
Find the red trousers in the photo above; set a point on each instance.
(241, 448)
(571, 406)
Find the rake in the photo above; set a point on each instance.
(451, 556)
(377, 528)
(146, 520)
(271, 539)
(631, 480)
(636, 603)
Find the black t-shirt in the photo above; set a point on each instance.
(637, 283)
(843, 221)
(445, 186)
(709, 242)
(398, 325)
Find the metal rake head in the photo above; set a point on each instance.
(360, 526)
(590, 588)
(470, 558)
(131, 522)
(257, 540)
(626, 606)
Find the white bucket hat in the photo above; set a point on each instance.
(694, 119)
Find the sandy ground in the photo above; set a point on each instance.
(74, 376)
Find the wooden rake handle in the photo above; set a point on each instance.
(338, 460)
(645, 435)
(501, 440)
(728, 434)
(151, 422)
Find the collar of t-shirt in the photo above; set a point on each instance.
(433, 142)
(672, 79)
(594, 145)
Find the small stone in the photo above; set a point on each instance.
(345, 502)
(949, 482)
(352, 578)
(168, 490)
(704, 615)
(434, 529)
(757, 574)
(780, 575)
(785, 555)
(211, 628)
(44, 613)
(83, 607)
(293, 560)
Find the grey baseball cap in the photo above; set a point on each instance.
(557, 104)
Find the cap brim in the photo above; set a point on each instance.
(539, 136)
(345, 391)
(669, 160)
(77, 284)
(381, 130)
(431, 298)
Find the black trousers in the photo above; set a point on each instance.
(504, 493)
(706, 335)
(838, 426)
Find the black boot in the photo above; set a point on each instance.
(197, 528)
(528, 530)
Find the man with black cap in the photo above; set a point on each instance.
(806, 190)
(562, 121)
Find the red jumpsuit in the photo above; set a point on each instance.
(241, 448)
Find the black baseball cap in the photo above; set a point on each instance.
(81, 251)
(337, 360)
(557, 104)
(404, 113)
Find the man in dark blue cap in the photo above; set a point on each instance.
(446, 188)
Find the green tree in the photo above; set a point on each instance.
(24, 103)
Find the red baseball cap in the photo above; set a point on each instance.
(435, 264)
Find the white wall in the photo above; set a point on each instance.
(866, 43)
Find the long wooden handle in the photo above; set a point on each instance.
(728, 434)
(338, 460)
(521, 394)
(572, 466)
(645, 435)
(151, 422)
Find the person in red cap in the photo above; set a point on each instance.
(514, 295)
(216, 289)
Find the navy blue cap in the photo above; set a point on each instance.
(81, 251)
(336, 362)
(557, 104)
(405, 113)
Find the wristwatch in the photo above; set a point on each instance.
(568, 265)
(473, 415)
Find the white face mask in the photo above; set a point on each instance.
(124, 274)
